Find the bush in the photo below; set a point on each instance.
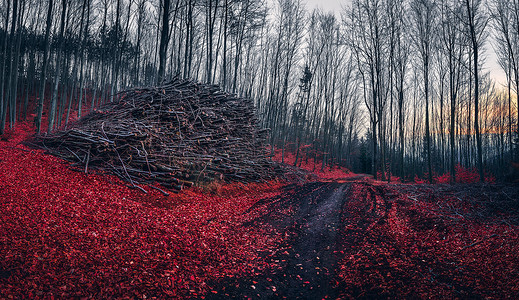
(464, 175)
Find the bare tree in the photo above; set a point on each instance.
(505, 15)
(452, 41)
(7, 70)
(368, 28)
(423, 14)
(477, 21)
(164, 40)
(59, 56)
(401, 61)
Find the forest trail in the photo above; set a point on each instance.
(307, 260)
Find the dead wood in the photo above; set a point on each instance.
(174, 135)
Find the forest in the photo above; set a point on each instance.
(259, 149)
(386, 87)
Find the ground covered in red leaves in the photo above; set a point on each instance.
(67, 234)
(430, 241)
(312, 165)
(359, 240)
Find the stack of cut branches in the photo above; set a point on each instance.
(175, 134)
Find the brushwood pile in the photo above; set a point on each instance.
(176, 134)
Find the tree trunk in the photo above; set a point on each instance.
(164, 40)
(53, 104)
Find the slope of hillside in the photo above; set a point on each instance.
(68, 234)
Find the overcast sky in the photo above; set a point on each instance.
(327, 5)
(336, 6)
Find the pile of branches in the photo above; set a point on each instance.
(177, 134)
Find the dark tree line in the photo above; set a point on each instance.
(393, 88)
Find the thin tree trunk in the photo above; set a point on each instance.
(41, 95)
(53, 104)
(7, 100)
(164, 41)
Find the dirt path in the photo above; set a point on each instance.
(307, 261)
(367, 240)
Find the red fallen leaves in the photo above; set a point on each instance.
(312, 165)
(426, 245)
(463, 175)
(66, 234)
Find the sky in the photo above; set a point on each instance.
(327, 5)
(491, 60)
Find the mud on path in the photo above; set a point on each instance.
(310, 217)
(363, 240)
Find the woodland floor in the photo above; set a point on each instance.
(66, 234)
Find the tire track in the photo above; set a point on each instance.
(307, 259)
